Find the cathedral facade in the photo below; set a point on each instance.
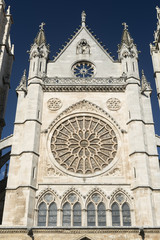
(84, 161)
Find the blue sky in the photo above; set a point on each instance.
(104, 17)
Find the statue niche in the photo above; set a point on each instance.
(83, 47)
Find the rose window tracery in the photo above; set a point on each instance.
(84, 144)
(83, 69)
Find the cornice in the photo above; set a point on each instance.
(82, 230)
(84, 84)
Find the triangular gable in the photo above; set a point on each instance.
(90, 35)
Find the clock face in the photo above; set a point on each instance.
(83, 144)
(83, 69)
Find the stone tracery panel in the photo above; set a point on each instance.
(84, 144)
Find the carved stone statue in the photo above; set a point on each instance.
(83, 47)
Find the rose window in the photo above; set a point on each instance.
(84, 144)
(83, 69)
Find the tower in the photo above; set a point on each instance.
(75, 166)
(155, 53)
(6, 59)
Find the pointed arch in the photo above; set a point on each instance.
(52, 215)
(77, 214)
(101, 212)
(115, 214)
(91, 216)
(126, 215)
(42, 214)
(66, 214)
(127, 197)
(85, 104)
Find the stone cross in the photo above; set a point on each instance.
(125, 26)
(42, 26)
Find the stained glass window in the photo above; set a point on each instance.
(126, 215)
(115, 215)
(101, 214)
(52, 215)
(42, 214)
(91, 214)
(77, 214)
(66, 214)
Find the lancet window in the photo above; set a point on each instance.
(47, 211)
(121, 214)
(72, 215)
(96, 211)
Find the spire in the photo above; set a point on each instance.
(145, 85)
(83, 19)
(126, 38)
(40, 39)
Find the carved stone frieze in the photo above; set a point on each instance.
(84, 84)
(84, 81)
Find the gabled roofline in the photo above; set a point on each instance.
(72, 39)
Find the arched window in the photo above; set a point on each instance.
(126, 215)
(101, 214)
(77, 214)
(66, 214)
(91, 214)
(42, 212)
(52, 215)
(115, 215)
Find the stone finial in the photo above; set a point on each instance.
(40, 38)
(83, 18)
(42, 26)
(125, 26)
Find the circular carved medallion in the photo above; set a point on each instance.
(54, 104)
(84, 144)
(113, 104)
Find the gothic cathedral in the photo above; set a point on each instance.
(84, 162)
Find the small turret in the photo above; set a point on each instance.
(38, 54)
(128, 54)
(23, 83)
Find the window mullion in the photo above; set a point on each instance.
(96, 215)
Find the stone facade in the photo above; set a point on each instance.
(6, 59)
(83, 139)
(155, 53)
